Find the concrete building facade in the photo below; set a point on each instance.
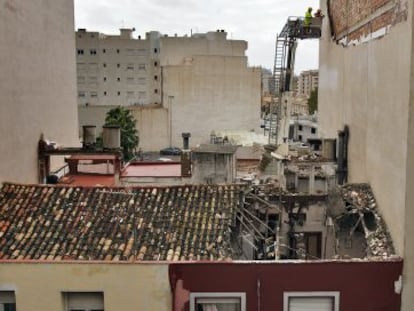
(118, 69)
(194, 84)
(366, 70)
(37, 82)
(307, 82)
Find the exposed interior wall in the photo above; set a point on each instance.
(125, 286)
(367, 88)
(37, 82)
(212, 93)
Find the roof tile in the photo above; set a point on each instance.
(189, 222)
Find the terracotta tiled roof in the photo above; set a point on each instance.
(190, 222)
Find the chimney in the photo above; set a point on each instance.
(89, 137)
(111, 137)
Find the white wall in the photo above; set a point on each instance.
(37, 82)
(367, 87)
(212, 93)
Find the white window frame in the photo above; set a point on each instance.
(329, 294)
(239, 295)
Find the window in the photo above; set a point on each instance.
(155, 78)
(155, 64)
(83, 301)
(141, 81)
(80, 51)
(142, 94)
(105, 93)
(155, 50)
(320, 301)
(81, 66)
(119, 93)
(117, 51)
(104, 51)
(7, 301)
(142, 51)
(118, 65)
(130, 94)
(81, 79)
(156, 91)
(104, 78)
(93, 79)
(130, 80)
(300, 127)
(313, 130)
(218, 301)
(118, 79)
(81, 94)
(92, 52)
(94, 94)
(130, 52)
(141, 67)
(93, 67)
(130, 66)
(104, 64)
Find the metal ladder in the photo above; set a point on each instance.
(279, 69)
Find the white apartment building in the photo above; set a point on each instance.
(118, 69)
(307, 82)
(195, 84)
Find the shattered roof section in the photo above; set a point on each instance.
(359, 199)
(189, 222)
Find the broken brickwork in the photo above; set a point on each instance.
(353, 21)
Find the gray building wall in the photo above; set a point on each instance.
(213, 167)
(366, 83)
(37, 82)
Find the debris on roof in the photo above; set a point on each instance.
(191, 222)
(360, 203)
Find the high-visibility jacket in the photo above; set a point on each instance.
(308, 18)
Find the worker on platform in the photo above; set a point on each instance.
(319, 14)
(308, 17)
(307, 21)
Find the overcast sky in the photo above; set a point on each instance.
(256, 21)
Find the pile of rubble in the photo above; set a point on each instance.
(360, 200)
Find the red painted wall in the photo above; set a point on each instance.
(363, 286)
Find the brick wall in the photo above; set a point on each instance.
(358, 18)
